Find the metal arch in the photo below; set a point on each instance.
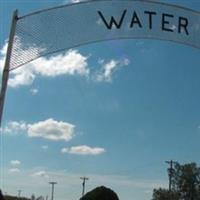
(91, 1)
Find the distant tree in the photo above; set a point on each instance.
(163, 194)
(100, 193)
(186, 180)
(186, 184)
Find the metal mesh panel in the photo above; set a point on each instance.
(56, 29)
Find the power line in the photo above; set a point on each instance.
(84, 179)
(170, 172)
(52, 189)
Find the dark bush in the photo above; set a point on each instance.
(8, 197)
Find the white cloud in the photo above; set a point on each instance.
(14, 170)
(125, 61)
(101, 61)
(71, 63)
(68, 63)
(173, 27)
(18, 77)
(73, 1)
(45, 147)
(83, 150)
(33, 91)
(107, 70)
(42, 174)
(14, 127)
(196, 26)
(2, 56)
(148, 191)
(99, 22)
(76, 1)
(64, 150)
(15, 162)
(21, 76)
(48, 129)
(52, 130)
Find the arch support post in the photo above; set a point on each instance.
(6, 69)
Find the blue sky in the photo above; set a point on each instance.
(115, 114)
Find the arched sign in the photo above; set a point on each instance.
(52, 30)
(48, 31)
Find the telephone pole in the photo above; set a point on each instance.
(84, 179)
(170, 172)
(19, 193)
(52, 189)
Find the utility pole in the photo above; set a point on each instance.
(52, 189)
(19, 193)
(170, 172)
(84, 179)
